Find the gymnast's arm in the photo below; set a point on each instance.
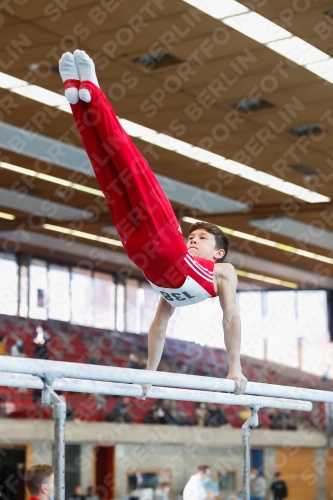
(156, 337)
(227, 285)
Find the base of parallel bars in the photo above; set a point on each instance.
(49, 397)
(253, 421)
(59, 454)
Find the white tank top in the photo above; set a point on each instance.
(189, 293)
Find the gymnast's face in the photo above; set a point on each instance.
(200, 243)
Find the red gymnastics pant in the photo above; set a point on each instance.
(141, 212)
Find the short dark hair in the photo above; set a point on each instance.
(222, 240)
(202, 468)
(35, 476)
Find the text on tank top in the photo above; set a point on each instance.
(189, 293)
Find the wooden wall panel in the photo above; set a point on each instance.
(329, 473)
(297, 466)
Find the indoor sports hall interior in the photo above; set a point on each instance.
(166, 250)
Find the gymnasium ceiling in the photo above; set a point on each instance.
(196, 103)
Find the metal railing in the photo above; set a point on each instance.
(51, 376)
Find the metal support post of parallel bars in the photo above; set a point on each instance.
(329, 423)
(49, 397)
(253, 421)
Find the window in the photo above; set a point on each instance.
(59, 293)
(281, 329)
(120, 312)
(312, 329)
(253, 330)
(104, 301)
(148, 299)
(201, 323)
(8, 284)
(24, 291)
(38, 289)
(227, 480)
(133, 307)
(312, 316)
(82, 297)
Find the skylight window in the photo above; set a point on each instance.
(298, 51)
(221, 9)
(257, 27)
(268, 33)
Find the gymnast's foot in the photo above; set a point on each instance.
(68, 71)
(86, 68)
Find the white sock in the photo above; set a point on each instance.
(68, 71)
(86, 68)
(84, 95)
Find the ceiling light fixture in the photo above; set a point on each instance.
(81, 234)
(34, 92)
(50, 178)
(176, 191)
(269, 243)
(3, 215)
(266, 279)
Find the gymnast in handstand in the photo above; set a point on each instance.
(182, 273)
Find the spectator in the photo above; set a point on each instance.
(3, 350)
(39, 481)
(291, 423)
(40, 341)
(176, 416)
(245, 413)
(210, 487)
(6, 407)
(134, 362)
(326, 373)
(162, 491)
(120, 412)
(194, 489)
(273, 418)
(279, 488)
(282, 420)
(257, 485)
(135, 481)
(100, 401)
(78, 494)
(158, 412)
(93, 360)
(201, 414)
(41, 352)
(216, 416)
(17, 349)
(91, 495)
(144, 362)
(182, 367)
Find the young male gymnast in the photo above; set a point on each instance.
(148, 228)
